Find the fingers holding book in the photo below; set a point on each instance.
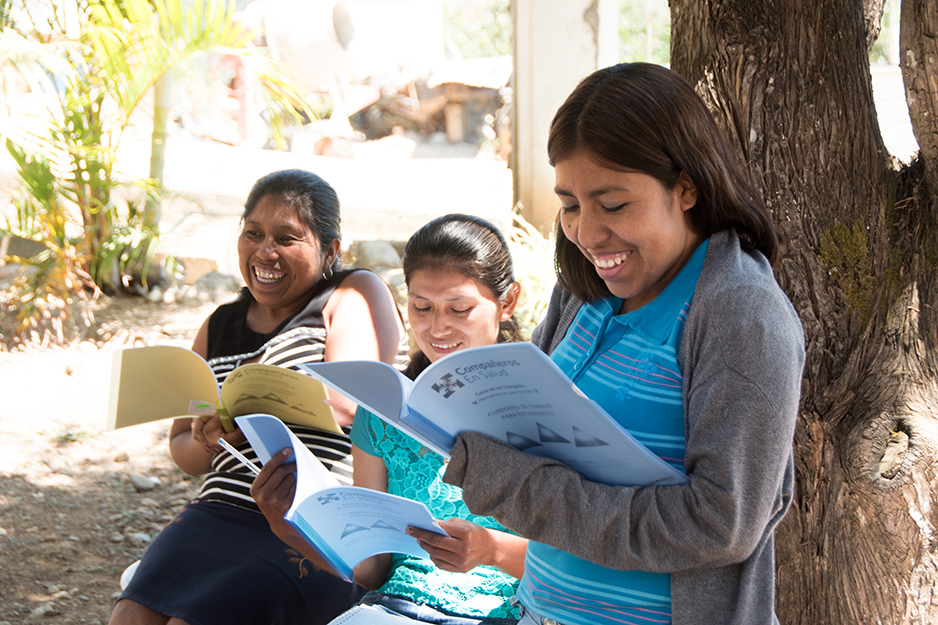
(275, 486)
(207, 430)
(467, 546)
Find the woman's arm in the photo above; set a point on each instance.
(192, 442)
(273, 489)
(362, 323)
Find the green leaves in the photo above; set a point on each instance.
(105, 55)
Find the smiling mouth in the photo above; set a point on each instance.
(443, 346)
(610, 261)
(266, 276)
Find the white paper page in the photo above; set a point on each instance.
(346, 523)
(268, 435)
(358, 522)
(366, 614)
(377, 386)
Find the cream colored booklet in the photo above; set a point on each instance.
(165, 381)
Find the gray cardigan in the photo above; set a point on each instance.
(742, 356)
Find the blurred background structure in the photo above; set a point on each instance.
(410, 108)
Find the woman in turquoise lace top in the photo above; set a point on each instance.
(461, 293)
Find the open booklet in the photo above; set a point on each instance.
(367, 614)
(512, 391)
(166, 381)
(344, 524)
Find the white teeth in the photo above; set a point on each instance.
(267, 276)
(441, 346)
(611, 262)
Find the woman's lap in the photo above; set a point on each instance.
(424, 613)
(216, 563)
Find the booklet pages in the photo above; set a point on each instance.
(511, 391)
(345, 524)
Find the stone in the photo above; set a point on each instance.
(139, 538)
(46, 609)
(142, 482)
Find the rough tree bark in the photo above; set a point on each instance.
(790, 83)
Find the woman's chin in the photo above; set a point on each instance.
(266, 292)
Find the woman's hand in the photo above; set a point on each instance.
(207, 431)
(470, 545)
(274, 489)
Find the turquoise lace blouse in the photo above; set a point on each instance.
(416, 472)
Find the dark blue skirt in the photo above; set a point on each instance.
(217, 564)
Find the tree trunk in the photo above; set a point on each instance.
(162, 101)
(790, 83)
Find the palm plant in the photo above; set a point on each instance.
(104, 68)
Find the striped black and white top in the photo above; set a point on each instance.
(299, 340)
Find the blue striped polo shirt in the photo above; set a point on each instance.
(628, 364)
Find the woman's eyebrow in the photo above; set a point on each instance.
(594, 193)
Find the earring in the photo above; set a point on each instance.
(328, 274)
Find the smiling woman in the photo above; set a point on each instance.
(667, 314)
(218, 561)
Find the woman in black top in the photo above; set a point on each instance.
(218, 561)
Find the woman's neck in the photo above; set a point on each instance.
(264, 320)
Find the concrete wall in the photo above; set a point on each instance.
(557, 43)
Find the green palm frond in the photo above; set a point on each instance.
(135, 42)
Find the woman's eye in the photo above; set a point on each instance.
(421, 310)
(465, 311)
(612, 209)
(569, 209)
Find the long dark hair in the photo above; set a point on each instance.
(312, 198)
(646, 118)
(470, 246)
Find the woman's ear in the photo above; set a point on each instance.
(687, 192)
(510, 301)
(331, 253)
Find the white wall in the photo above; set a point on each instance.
(557, 43)
(392, 36)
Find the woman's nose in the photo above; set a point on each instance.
(269, 248)
(438, 324)
(589, 228)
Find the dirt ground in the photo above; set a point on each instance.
(71, 516)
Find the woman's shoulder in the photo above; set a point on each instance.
(226, 318)
(364, 291)
(733, 268)
(737, 294)
(363, 280)
(561, 311)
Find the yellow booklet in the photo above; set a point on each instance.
(165, 381)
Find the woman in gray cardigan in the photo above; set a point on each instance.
(668, 315)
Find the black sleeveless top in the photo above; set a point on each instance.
(300, 339)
